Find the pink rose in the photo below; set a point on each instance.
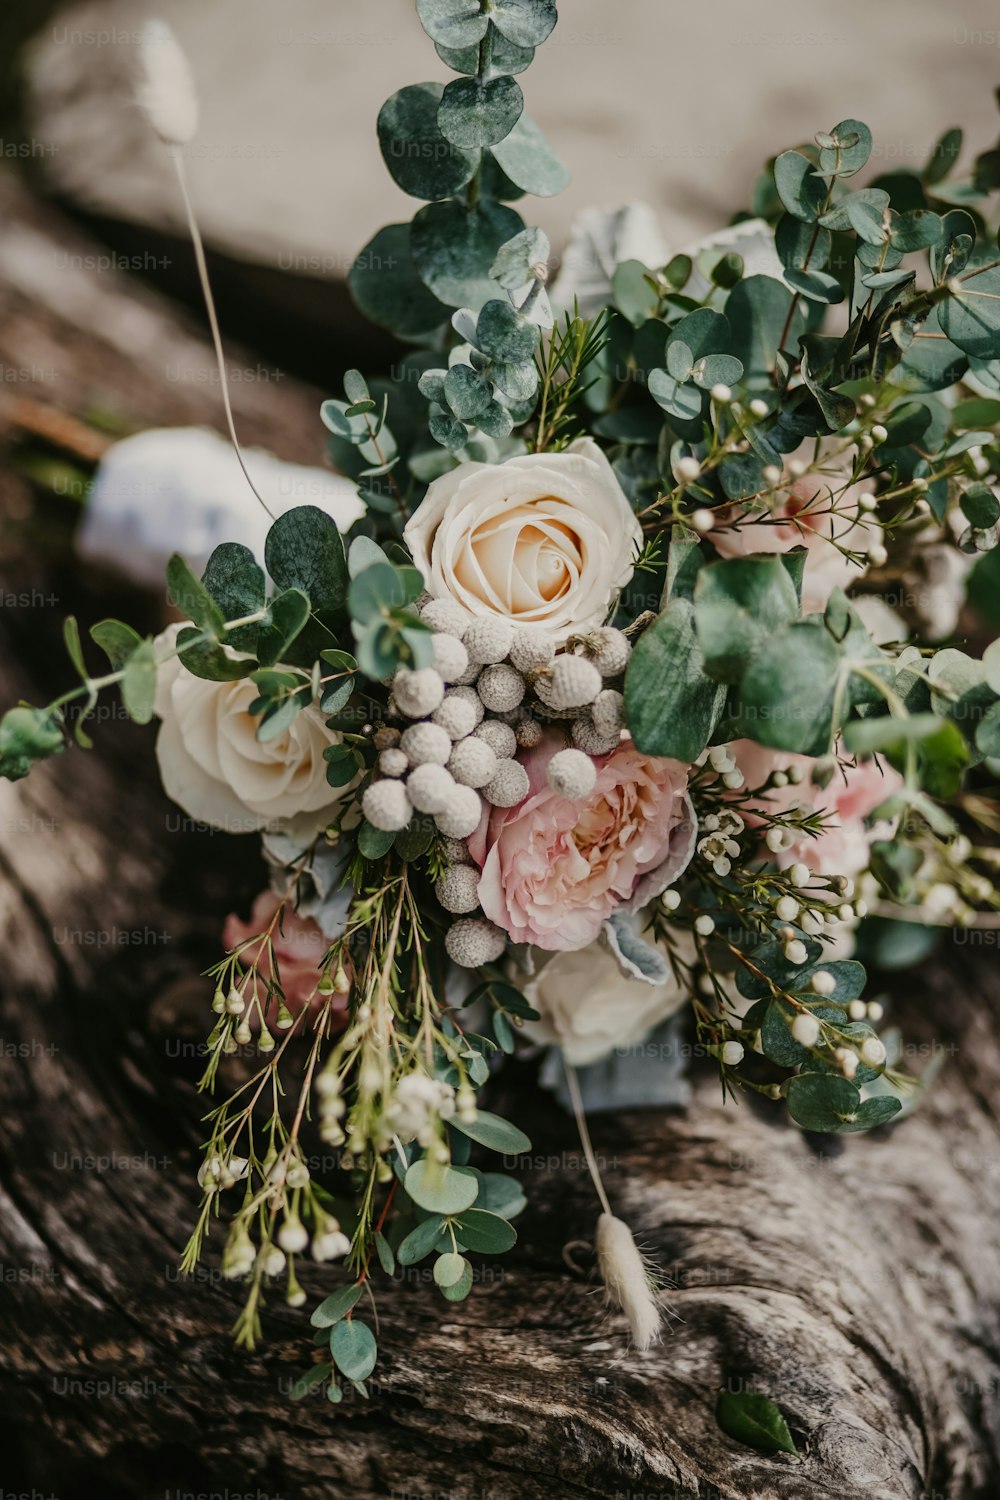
(298, 944)
(553, 870)
(843, 848)
(806, 517)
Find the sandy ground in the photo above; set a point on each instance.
(639, 103)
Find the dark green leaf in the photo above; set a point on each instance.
(116, 639)
(421, 160)
(739, 603)
(304, 550)
(800, 190)
(192, 598)
(336, 1306)
(754, 1421)
(671, 704)
(235, 581)
(480, 112)
(454, 249)
(354, 1349)
(526, 23)
(494, 1133)
(386, 286)
(822, 1101)
(486, 1233)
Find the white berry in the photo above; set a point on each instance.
(417, 693)
(571, 682)
(472, 762)
(509, 786)
(393, 763)
(455, 850)
(571, 774)
(430, 788)
(457, 715)
(445, 615)
(461, 816)
(472, 941)
(426, 745)
(458, 889)
(805, 1030)
(608, 712)
(451, 660)
(500, 687)
(532, 650)
(591, 740)
(873, 1052)
(488, 639)
(822, 982)
(732, 1053)
(609, 650)
(386, 806)
(500, 737)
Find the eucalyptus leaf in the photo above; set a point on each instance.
(387, 287)
(671, 704)
(439, 1188)
(454, 249)
(527, 159)
(420, 158)
(478, 112)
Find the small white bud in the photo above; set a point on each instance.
(733, 780)
(877, 555)
(873, 1051)
(879, 433)
(799, 875)
(732, 1054)
(571, 774)
(805, 1030)
(687, 470)
(796, 951)
(822, 982)
(757, 408)
(701, 521)
(772, 474)
(787, 908)
(292, 1236)
(857, 1010)
(847, 1061)
(670, 899)
(704, 925)
(875, 1011)
(867, 502)
(722, 394)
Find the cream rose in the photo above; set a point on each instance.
(589, 1008)
(212, 764)
(547, 539)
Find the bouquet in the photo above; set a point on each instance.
(630, 691)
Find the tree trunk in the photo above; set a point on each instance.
(854, 1282)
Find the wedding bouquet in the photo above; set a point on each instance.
(617, 697)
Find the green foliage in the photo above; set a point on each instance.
(27, 735)
(754, 1421)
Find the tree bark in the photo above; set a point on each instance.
(853, 1281)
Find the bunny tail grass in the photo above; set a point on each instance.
(623, 1269)
(627, 1280)
(165, 89)
(166, 93)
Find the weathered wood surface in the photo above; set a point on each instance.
(858, 1286)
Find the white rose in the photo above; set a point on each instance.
(547, 539)
(212, 764)
(588, 1007)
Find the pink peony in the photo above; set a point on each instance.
(804, 518)
(843, 849)
(553, 870)
(298, 943)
